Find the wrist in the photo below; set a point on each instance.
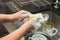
(11, 17)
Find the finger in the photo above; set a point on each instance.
(25, 12)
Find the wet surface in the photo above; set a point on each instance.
(55, 19)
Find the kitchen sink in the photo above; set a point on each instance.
(54, 18)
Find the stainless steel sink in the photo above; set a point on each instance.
(54, 18)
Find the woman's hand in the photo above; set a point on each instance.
(19, 15)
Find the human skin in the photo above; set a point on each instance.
(17, 34)
(13, 17)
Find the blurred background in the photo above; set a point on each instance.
(51, 7)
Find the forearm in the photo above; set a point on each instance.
(16, 35)
(4, 18)
(18, 16)
(10, 17)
